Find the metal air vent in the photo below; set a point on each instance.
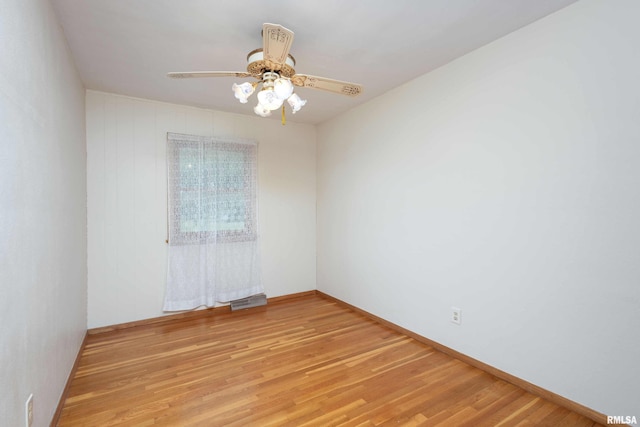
(249, 302)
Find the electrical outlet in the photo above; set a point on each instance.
(28, 408)
(456, 315)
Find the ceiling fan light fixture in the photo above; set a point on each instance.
(261, 111)
(243, 91)
(283, 88)
(296, 103)
(268, 99)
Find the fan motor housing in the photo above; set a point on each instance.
(258, 65)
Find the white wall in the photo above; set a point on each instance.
(504, 183)
(127, 195)
(43, 270)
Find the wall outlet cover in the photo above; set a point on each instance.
(456, 315)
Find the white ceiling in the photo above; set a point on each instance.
(128, 46)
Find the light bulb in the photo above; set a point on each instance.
(283, 88)
(296, 103)
(242, 91)
(269, 100)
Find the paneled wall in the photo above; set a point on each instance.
(127, 196)
(505, 183)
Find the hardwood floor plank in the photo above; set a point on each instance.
(308, 361)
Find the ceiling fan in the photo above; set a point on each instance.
(272, 66)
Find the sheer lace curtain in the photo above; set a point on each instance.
(213, 239)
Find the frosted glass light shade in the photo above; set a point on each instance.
(269, 100)
(261, 111)
(296, 103)
(242, 91)
(283, 88)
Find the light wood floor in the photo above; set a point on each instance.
(307, 361)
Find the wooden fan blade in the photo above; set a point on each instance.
(189, 74)
(276, 43)
(330, 85)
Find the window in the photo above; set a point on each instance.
(213, 245)
(212, 190)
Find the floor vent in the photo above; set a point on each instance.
(252, 301)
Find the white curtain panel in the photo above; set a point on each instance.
(212, 209)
